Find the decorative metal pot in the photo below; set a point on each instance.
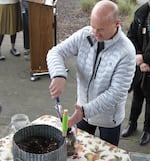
(45, 131)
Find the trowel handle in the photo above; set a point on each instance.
(58, 108)
(57, 100)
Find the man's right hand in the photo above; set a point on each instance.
(139, 59)
(57, 86)
(145, 67)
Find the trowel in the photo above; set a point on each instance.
(70, 138)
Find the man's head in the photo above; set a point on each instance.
(105, 20)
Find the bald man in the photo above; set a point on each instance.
(105, 68)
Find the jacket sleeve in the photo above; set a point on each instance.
(134, 33)
(146, 57)
(57, 56)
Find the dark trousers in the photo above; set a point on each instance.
(26, 30)
(110, 135)
(136, 107)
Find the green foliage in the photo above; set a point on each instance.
(126, 7)
(87, 5)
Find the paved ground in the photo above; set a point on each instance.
(18, 94)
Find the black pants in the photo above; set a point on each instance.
(136, 107)
(26, 30)
(110, 135)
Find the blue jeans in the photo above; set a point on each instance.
(110, 135)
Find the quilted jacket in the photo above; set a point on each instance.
(102, 84)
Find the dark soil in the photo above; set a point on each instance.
(39, 145)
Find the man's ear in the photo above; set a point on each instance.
(118, 23)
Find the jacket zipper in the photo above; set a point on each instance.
(95, 68)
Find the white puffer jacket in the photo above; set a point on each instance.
(8, 1)
(103, 94)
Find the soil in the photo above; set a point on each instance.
(70, 18)
(39, 145)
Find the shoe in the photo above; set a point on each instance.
(145, 138)
(14, 52)
(26, 52)
(129, 130)
(2, 57)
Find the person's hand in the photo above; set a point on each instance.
(57, 86)
(139, 59)
(77, 116)
(145, 67)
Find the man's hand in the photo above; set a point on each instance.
(57, 86)
(139, 59)
(145, 67)
(77, 116)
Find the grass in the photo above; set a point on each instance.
(87, 5)
(127, 9)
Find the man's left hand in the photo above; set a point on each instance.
(77, 116)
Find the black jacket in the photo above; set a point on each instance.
(136, 34)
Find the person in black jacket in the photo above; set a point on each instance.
(139, 34)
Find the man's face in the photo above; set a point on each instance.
(103, 29)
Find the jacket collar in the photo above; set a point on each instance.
(92, 41)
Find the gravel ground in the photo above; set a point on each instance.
(70, 18)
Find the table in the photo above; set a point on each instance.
(88, 147)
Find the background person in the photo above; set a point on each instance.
(105, 68)
(139, 33)
(10, 23)
(25, 27)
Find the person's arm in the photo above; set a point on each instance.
(143, 59)
(56, 58)
(144, 67)
(139, 59)
(146, 57)
(133, 34)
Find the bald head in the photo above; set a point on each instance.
(106, 9)
(105, 20)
